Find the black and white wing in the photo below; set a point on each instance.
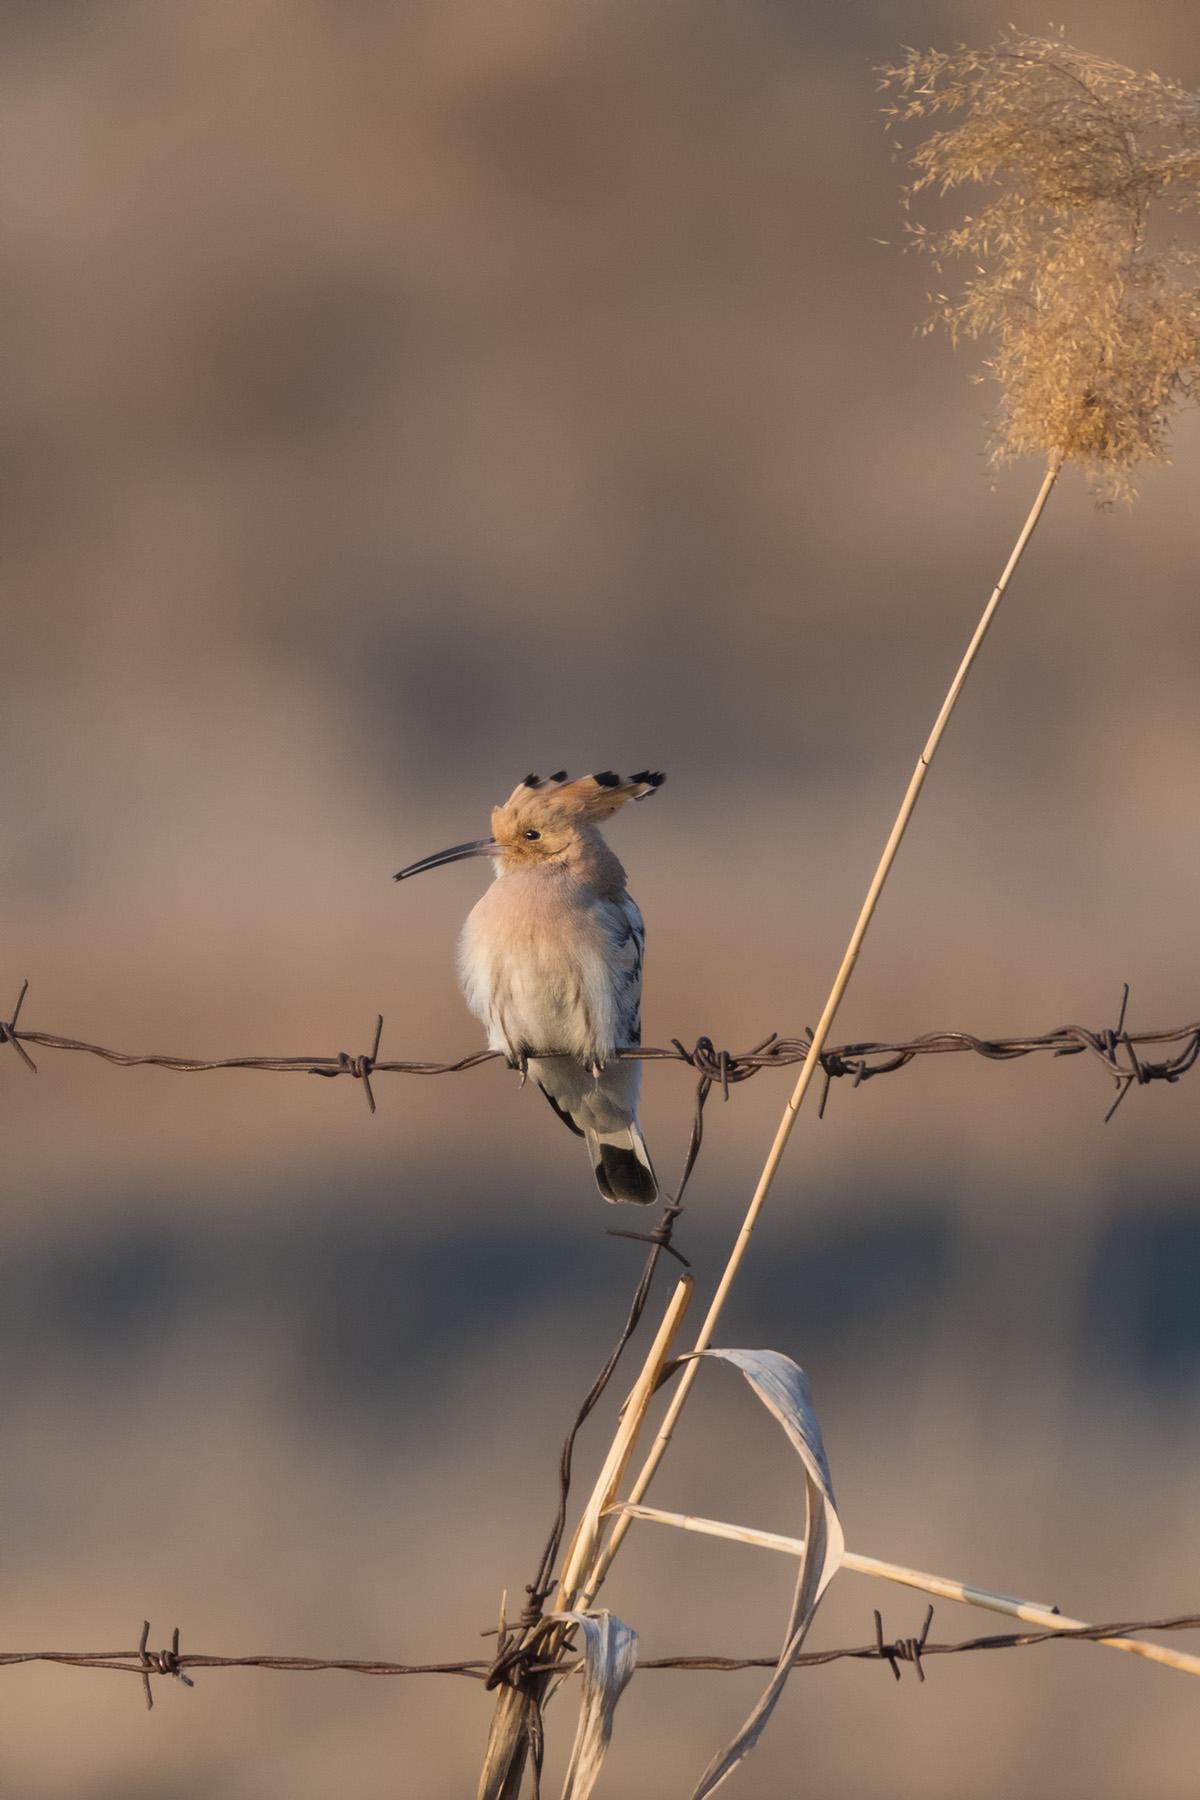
(628, 952)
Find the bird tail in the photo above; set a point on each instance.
(622, 1164)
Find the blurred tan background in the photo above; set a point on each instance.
(398, 397)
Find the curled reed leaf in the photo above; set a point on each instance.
(783, 1389)
(1092, 314)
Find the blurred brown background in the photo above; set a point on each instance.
(399, 396)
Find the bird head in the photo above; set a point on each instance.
(542, 822)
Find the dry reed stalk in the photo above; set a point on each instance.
(516, 1709)
(1096, 341)
(942, 1585)
(582, 1547)
(812, 1061)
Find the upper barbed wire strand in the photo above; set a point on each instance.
(1120, 1052)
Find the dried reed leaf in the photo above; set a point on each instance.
(1092, 316)
(783, 1389)
(947, 1587)
(610, 1657)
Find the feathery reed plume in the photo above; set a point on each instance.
(1096, 342)
(1094, 332)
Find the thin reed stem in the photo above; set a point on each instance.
(582, 1547)
(812, 1060)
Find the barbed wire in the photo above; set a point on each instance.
(175, 1662)
(516, 1662)
(1120, 1053)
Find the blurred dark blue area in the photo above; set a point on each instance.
(373, 1309)
(843, 1289)
(1141, 1318)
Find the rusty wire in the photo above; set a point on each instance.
(1117, 1050)
(174, 1662)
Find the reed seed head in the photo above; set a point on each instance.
(1091, 312)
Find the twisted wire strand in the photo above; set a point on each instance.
(176, 1663)
(1120, 1052)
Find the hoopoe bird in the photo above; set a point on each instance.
(550, 960)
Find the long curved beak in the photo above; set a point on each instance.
(484, 847)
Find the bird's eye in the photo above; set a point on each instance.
(532, 835)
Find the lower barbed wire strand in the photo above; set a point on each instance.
(130, 1661)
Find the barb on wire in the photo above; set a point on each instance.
(360, 1067)
(10, 1035)
(160, 1662)
(175, 1662)
(1120, 1053)
(904, 1649)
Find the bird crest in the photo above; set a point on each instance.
(554, 821)
(557, 801)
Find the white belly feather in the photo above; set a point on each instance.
(546, 966)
